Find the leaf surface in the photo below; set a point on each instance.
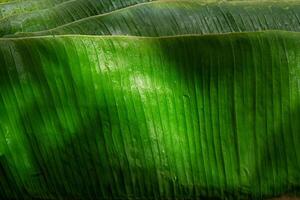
(19, 7)
(61, 14)
(165, 18)
(176, 117)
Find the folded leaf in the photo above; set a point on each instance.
(61, 14)
(127, 117)
(164, 18)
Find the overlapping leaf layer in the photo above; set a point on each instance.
(194, 114)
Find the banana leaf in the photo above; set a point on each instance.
(19, 7)
(165, 18)
(120, 117)
(63, 13)
(6, 1)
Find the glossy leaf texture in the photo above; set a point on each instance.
(115, 117)
(165, 18)
(61, 14)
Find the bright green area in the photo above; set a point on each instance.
(122, 117)
(163, 18)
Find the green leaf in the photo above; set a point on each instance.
(20, 7)
(164, 18)
(6, 1)
(63, 13)
(129, 117)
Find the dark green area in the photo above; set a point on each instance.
(165, 18)
(66, 12)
